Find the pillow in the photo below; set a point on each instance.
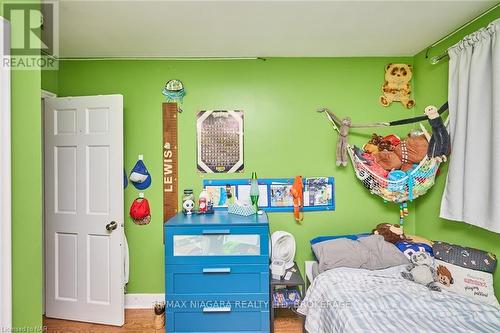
(341, 252)
(409, 248)
(320, 239)
(382, 254)
(466, 257)
(467, 282)
(370, 252)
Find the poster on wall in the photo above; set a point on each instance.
(220, 141)
(274, 193)
(222, 195)
(281, 196)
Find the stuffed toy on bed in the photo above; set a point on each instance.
(392, 233)
(421, 270)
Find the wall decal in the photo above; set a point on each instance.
(396, 87)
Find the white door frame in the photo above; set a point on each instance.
(5, 189)
(44, 94)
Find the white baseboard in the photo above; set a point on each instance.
(142, 301)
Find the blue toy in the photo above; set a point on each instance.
(394, 176)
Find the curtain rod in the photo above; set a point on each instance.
(436, 59)
(158, 58)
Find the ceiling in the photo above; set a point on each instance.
(257, 28)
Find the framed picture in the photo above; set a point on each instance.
(274, 193)
(220, 141)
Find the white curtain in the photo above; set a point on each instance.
(472, 192)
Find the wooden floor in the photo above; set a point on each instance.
(141, 321)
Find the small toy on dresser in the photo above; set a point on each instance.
(205, 203)
(188, 202)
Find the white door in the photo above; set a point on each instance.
(84, 209)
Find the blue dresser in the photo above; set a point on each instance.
(217, 273)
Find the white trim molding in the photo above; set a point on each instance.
(5, 185)
(142, 301)
(47, 94)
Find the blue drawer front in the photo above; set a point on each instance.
(233, 321)
(216, 279)
(237, 302)
(261, 258)
(216, 282)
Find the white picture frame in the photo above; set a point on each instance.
(217, 132)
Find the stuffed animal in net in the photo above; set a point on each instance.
(392, 233)
(439, 144)
(397, 85)
(422, 271)
(377, 143)
(408, 152)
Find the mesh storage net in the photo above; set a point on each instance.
(416, 182)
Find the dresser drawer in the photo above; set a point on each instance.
(218, 320)
(217, 279)
(236, 302)
(217, 244)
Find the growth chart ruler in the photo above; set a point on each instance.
(170, 161)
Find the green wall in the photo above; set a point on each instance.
(284, 136)
(431, 82)
(26, 194)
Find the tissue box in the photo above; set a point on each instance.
(241, 210)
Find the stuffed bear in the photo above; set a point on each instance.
(410, 151)
(377, 143)
(439, 145)
(421, 271)
(392, 233)
(397, 85)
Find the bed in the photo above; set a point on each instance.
(360, 300)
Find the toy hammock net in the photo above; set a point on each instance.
(414, 184)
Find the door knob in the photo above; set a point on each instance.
(111, 226)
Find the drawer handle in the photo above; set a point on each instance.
(217, 270)
(216, 232)
(216, 310)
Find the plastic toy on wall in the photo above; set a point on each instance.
(396, 87)
(174, 92)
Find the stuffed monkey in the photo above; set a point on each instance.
(342, 142)
(345, 125)
(439, 145)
